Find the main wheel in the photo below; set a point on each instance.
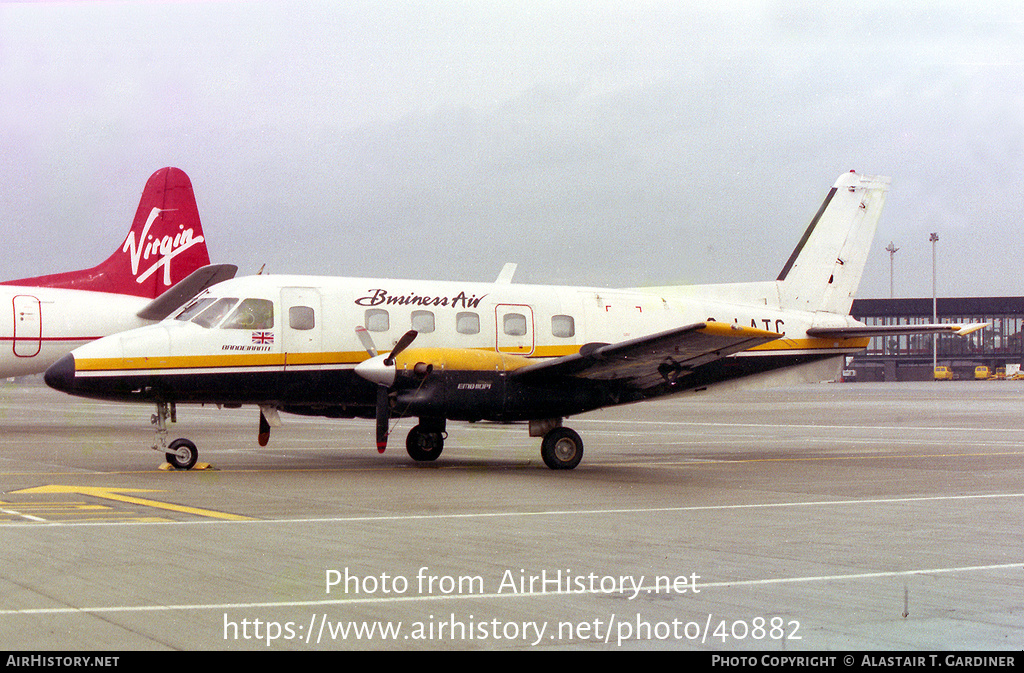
(424, 445)
(183, 454)
(562, 449)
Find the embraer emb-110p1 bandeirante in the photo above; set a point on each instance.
(162, 264)
(497, 351)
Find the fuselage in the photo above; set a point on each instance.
(291, 341)
(38, 325)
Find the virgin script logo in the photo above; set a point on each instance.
(165, 248)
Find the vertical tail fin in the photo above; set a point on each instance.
(164, 245)
(825, 269)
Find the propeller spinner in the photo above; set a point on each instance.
(380, 369)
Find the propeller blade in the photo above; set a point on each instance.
(383, 417)
(366, 340)
(402, 344)
(264, 435)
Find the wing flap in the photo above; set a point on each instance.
(651, 360)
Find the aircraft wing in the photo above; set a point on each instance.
(188, 287)
(894, 330)
(652, 360)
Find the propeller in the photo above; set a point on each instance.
(268, 418)
(381, 370)
(366, 340)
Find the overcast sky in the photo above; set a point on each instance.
(593, 143)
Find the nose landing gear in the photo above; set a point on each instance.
(181, 453)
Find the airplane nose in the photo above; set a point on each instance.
(61, 374)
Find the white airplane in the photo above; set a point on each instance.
(490, 351)
(48, 316)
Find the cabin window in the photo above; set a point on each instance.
(215, 313)
(423, 321)
(563, 326)
(377, 320)
(514, 324)
(251, 314)
(467, 323)
(301, 317)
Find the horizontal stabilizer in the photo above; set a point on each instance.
(894, 330)
(190, 286)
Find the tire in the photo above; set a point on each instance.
(423, 445)
(182, 446)
(562, 449)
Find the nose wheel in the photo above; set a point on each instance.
(181, 453)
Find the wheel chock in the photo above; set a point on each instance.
(167, 467)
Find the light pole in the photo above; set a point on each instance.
(891, 249)
(934, 238)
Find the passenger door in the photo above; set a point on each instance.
(302, 327)
(28, 326)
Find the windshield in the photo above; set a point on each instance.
(256, 314)
(251, 314)
(191, 310)
(212, 315)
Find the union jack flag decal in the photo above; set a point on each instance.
(263, 337)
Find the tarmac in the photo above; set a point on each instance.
(823, 517)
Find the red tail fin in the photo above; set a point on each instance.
(165, 244)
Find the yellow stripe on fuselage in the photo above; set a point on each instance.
(218, 361)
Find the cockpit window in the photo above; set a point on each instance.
(192, 309)
(215, 313)
(251, 314)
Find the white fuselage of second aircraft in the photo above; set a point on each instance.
(43, 323)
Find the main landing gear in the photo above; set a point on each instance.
(426, 441)
(181, 453)
(561, 448)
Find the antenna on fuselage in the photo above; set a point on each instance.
(507, 271)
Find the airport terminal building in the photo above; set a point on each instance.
(909, 358)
